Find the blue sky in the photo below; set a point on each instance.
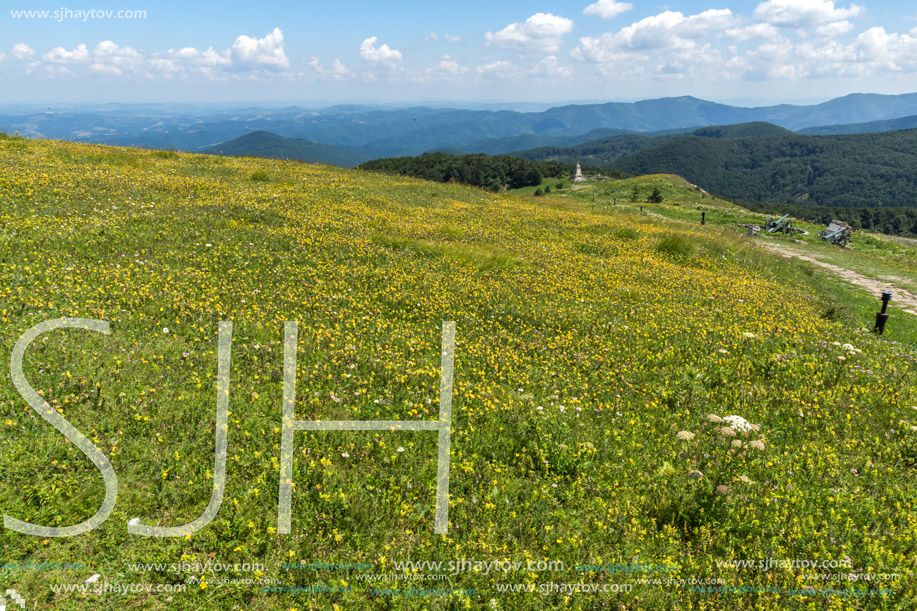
(319, 52)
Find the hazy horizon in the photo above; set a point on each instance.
(520, 105)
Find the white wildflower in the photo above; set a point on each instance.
(738, 423)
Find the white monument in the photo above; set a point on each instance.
(578, 175)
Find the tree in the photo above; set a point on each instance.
(656, 197)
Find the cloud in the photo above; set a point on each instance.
(672, 29)
(23, 51)
(259, 53)
(446, 37)
(339, 68)
(446, 70)
(667, 31)
(210, 58)
(607, 9)
(337, 72)
(834, 29)
(383, 56)
(447, 65)
(803, 13)
(540, 32)
(502, 68)
(873, 53)
(757, 30)
(111, 59)
(549, 66)
(886, 52)
(2, 56)
(60, 55)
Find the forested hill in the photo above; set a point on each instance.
(877, 169)
(759, 162)
(480, 170)
(271, 146)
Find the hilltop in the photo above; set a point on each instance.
(272, 146)
(598, 350)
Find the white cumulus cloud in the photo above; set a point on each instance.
(23, 51)
(540, 32)
(211, 58)
(447, 65)
(259, 53)
(338, 71)
(757, 30)
(834, 29)
(669, 31)
(501, 68)
(673, 29)
(607, 9)
(60, 55)
(549, 66)
(108, 58)
(803, 13)
(382, 56)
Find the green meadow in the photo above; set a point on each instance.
(647, 413)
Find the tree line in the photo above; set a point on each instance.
(491, 172)
(888, 220)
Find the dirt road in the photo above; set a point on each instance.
(905, 300)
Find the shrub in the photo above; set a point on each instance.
(625, 232)
(675, 244)
(260, 176)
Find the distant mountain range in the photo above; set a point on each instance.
(863, 128)
(373, 132)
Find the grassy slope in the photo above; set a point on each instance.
(587, 338)
(873, 255)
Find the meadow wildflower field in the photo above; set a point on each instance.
(646, 414)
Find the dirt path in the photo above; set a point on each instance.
(905, 300)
